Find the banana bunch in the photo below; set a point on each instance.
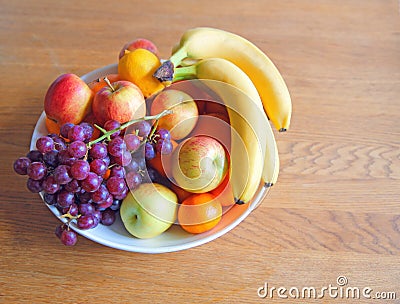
(253, 91)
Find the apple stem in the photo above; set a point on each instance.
(109, 83)
(127, 124)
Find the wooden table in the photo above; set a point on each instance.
(335, 210)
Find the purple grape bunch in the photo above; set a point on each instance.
(87, 180)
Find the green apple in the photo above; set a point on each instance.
(149, 210)
(199, 164)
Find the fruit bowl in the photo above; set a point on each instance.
(175, 238)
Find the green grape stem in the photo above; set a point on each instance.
(127, 124)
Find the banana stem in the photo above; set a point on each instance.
(165, 72)
(187, 72)
(178, 56)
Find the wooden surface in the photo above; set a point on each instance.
(335, 210)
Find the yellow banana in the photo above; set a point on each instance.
(271, 160)
(201, 43)
(249, 143)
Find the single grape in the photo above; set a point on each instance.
(44, 144)
(50, 199)
(106, 203)
(85, 209)
(65, 129)
(116, 185)
(116, 205)
(124, 159)
(85, 222)
(149, 152)
(59, 143)
(117, 171)
(133, 179)
(132, 166)
(80, 169)
(21, 165)
(163, 134)
(100, 194)
(97, 217)
(98, 150)
(50, 185)
(36, 170)
(111, 125)
(35, 156)
(72, 210)
(108, 217)
(116, 146)
(122, 195)
(76, 133)
(153, 175)
(69, 237)
(51, 158)
(65, 198)
(164, 146)
(84, 197)
(73, 186)
(77, 149)
(98, 166)
(91, 183)
(141, 163)
(62, 174)
(132, 142)
(34, 186)
(107, 160)
(87, 130)
(143, 128)
(64, 158)
(59, 230)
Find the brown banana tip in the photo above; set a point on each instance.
(282, 130)
(239, 202)
(268, 184)
(165, 72)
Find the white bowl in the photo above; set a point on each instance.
(175, 238)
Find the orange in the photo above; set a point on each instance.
(199, 213)
(52, 126)
(99, 83)
(138, 67)
(224, 192)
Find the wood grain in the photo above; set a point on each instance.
(335, 209)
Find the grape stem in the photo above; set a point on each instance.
(69, 216)
(127, 124)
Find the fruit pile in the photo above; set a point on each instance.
(161, 143)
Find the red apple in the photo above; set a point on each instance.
(214, 125)
(139, 43)
(100, 83)
(121, 101)
(68, 99)
(184, 112)
(199, 164)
